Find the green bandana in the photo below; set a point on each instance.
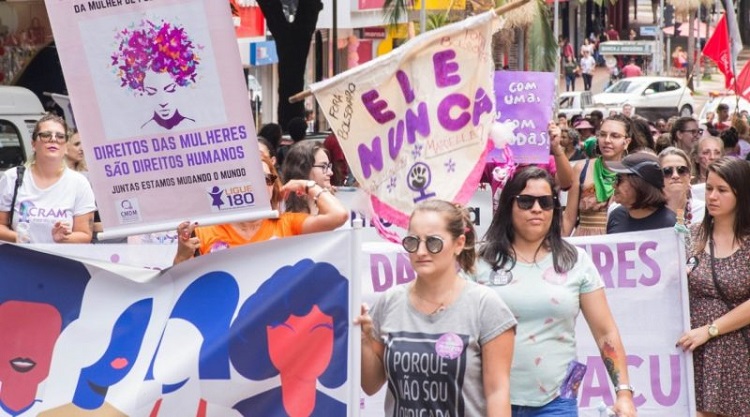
(604, 181)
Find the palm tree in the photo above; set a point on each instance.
(532, 18)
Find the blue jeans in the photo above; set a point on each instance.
(559, 407)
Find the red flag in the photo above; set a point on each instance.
(717, 48)
(743, 82)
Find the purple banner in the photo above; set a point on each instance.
(526, 99)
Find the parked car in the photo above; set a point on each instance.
(651, 97)
(730, 100)
(575, 103)
(20, 109)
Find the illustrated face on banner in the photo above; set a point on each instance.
(157, 59)
(292, 326)
(289, 345)
(124, 345)
(29, 331)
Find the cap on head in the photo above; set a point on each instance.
(641, 164)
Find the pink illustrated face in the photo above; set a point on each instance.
(302, 347)
(29, 331)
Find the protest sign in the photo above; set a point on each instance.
(526, 99)
(644, 276)
(209, 337)
(159, 98)
(416, 121)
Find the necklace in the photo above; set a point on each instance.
(248, 230)
(524, 258)
(441, 305)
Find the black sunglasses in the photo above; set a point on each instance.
(681, 170)
(271, 179)
(526, 202)
(434, 244)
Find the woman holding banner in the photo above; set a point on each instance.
(586, 211)
(546, 281)
(719, 289)
(202, 240)
(49, 203)
(306, 160)
(442, 332)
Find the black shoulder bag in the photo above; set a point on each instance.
(19, 181)
(722, 294)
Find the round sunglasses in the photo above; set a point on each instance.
(434, 244)
(681, 170)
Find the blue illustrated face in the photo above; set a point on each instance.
(118, 359)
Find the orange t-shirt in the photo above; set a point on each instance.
(224, 236)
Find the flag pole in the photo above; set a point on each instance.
(498, 11)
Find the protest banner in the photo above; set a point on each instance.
(646, 287)
(210, 337)
(526, 99)
(416, 121)
(161, 104)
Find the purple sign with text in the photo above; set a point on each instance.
(526, 99)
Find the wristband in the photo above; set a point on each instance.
(322, 190)
(624, 387)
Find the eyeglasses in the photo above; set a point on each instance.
(271, 179)
(325, 167)
(681, 170)
(614, 135)
(434, 244)
(48, 137)
(693, 131)
(526, 202)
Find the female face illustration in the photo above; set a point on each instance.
(301, 347)
(29, 331)
(160, 89)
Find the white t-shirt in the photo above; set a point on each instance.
(39, 209)
(587, 64)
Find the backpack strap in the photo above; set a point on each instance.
(20, 170)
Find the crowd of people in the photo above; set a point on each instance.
(613, 174)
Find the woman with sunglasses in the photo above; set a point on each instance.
(639, 189)
(306, 160)
(719, 293)
(675, 164)
(586, 211)
(51, 203)
(442, 343)
(202, 240)
(685, 133)
(546, 281)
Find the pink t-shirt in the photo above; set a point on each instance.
(631, 70)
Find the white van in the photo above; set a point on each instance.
(19, 111)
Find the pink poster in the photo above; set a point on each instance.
(158, 92)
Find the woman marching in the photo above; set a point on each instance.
(440, 330)
(719, 291)
(546, 281)
(62, 199)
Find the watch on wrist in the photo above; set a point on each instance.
(308, 185)
(624, 387)
(713, 330)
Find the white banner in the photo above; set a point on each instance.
(416, 121)
(646, 288)
(209, 337)
(161, 102)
